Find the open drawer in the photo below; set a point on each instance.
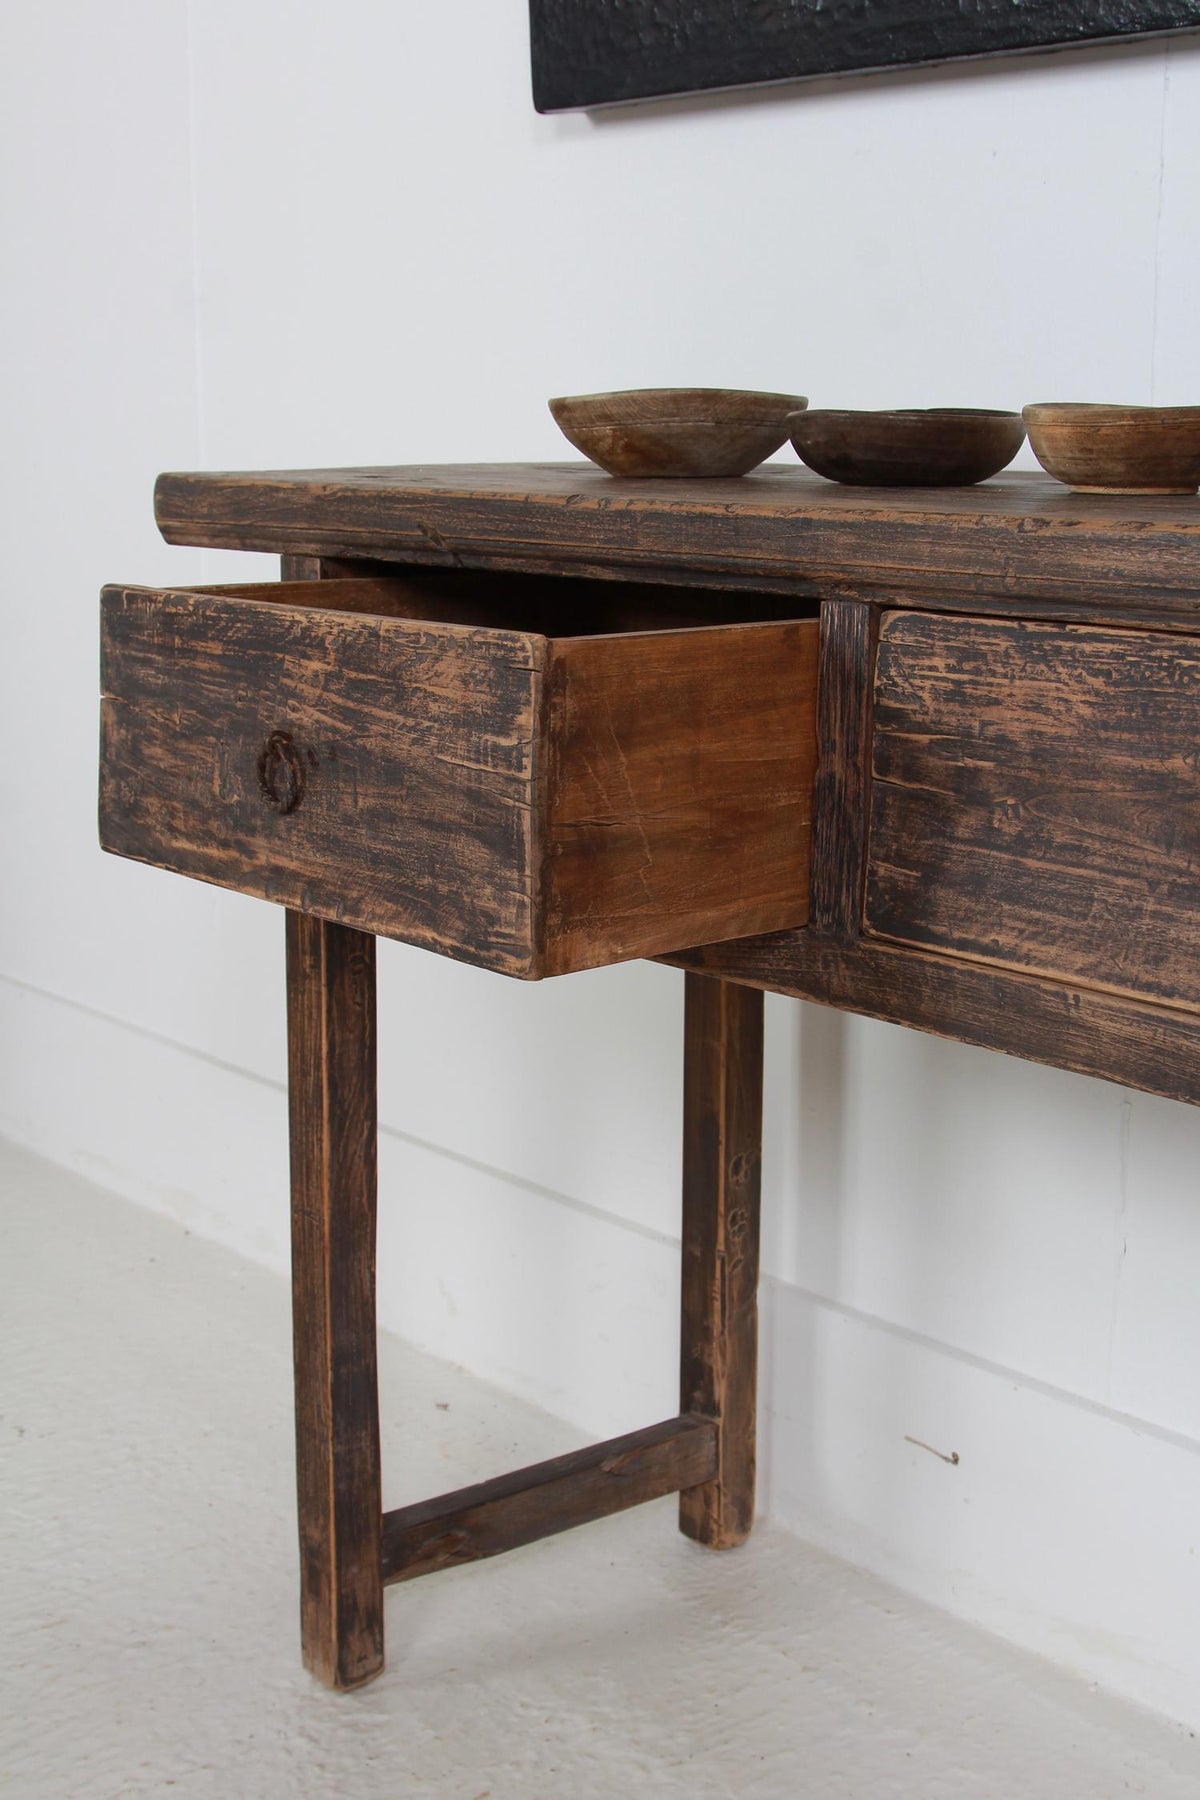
(511, 770)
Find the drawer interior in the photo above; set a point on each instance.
(533, 774)
(552, 606)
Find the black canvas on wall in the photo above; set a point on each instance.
(596, 52)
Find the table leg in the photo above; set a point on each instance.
(332, 1100)
(722, 1160)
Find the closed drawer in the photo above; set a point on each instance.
(1036, 800)
(495, 768)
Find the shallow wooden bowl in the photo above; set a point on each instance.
(940, 446)
(677, 432)
(1118, 449)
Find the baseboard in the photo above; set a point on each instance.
(564, 1306)
(1056, 1523)
(1060, 1524)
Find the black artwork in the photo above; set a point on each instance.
(595, 52)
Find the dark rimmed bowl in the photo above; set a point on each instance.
(1117, 449)
(939, 446)
(677, 433)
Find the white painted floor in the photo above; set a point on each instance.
(148, 1589)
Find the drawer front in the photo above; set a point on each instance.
(1035, 800)
(364, 768)
(530, 803)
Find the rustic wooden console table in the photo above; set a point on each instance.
(932, 756)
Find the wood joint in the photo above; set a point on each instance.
(548, 1497)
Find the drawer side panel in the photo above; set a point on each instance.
(681, 781)
(1036, 800)
(362, 768)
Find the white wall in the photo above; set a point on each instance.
(239, 233)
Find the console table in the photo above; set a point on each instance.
(928, 755)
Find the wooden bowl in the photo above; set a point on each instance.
(1118, 449)
(677, 432)
(941, 446)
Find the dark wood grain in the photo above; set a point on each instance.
(844, 726)
(1019, 543)
(302, 568)
(1133, 1042)
(1036, 800)
(590, 55)
(530, 804)
(417, 742)
(722, 1177)
(494, 1516)
(331, 1092)
(940, 446)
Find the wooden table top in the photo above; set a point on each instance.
(782, 529)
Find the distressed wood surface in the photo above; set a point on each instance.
(589, 55)
(494, 1516)
(413, 748)
(1036, 800)
(1018, 543)
(840, 800)
(332, 1109)
(529, 804)
(722, 1177)
(1136, 1043)
(680, 789)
